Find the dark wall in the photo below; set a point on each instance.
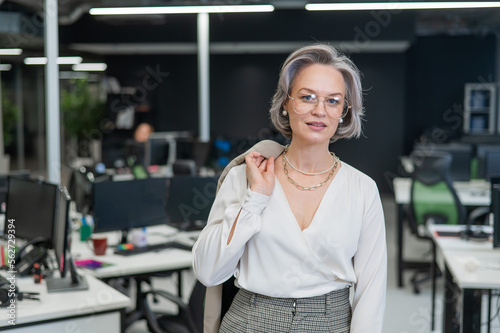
(166, 84)
(242, 87)
(376, 151)
(438, 68)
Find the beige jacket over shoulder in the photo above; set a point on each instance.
(213, 299)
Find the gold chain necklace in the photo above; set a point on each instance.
(308, 173)
(310, 188)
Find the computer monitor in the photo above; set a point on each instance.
(61, 247)
(193, 149)
(189, 201)
(128, 204)
(161, 147)
(31, 204)
(492, 164)
(114, 153)
(481, 151)
(495, 205)
(461, 159)
(4, 184)
(160, 151)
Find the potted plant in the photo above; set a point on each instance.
(82, 110)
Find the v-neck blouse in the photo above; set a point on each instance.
(269, 254)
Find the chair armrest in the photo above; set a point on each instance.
(476, 213)
(171, 297)
(183, 307)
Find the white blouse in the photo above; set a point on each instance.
(269, 254)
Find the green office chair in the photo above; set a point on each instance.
(433, 201)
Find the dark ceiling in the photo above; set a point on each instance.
(21, 23)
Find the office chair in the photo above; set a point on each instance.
(189, 318)
(433, 200)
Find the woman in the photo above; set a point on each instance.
(298, 231)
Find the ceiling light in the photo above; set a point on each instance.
(401, 5)
(5, 67)
(69, 60)
(35, 61)
(181, 10)
(99, 67)
(11, 51)
(60, 60)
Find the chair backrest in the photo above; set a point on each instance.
(432, 191)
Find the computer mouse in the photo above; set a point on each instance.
(471, 264)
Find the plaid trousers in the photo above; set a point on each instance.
(254, 313)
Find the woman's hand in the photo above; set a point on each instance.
(260, 173)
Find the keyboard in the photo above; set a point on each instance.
(153, 248)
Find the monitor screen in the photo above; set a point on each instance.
(61, 229)
(492, 164)
(159, 151)
(481, 152)
(190, 199)
(123, 205)
(32, 205)
(161, 147)
(461, 159)
(114, 153)
(4, 184)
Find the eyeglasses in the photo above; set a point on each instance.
(336, 106)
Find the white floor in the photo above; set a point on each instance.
(406, 312)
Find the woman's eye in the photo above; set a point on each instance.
(309, 98)
(333, 101)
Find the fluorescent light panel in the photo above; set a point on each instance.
(11, 51)
(60, 60)
(401, 5)
(181, 10)
(90, 67)
(5, 67)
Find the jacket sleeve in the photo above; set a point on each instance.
(214, 261)
(370, 266)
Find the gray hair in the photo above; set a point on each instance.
(325, 55)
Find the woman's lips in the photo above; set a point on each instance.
(316, 125)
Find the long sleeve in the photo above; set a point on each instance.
(214, 261)
(370, 266)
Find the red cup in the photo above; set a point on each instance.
(100, 245)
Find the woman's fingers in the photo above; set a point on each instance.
(262, 166)
(270, 165)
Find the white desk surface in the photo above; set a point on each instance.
(459, 254)
(471, 193)
(149, 262)
(98, 298)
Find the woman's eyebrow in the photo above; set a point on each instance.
(314, 92)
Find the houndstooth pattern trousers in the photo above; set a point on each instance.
(254, 313)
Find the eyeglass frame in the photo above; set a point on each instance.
(345, 110)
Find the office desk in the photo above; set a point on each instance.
(473, 193)
(98, 309)
(140, 267)
(166, 260)
(464, 283)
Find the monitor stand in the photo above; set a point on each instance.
(124, 238)
(71, 282)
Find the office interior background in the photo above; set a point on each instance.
(414, 63)
(415, 66)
